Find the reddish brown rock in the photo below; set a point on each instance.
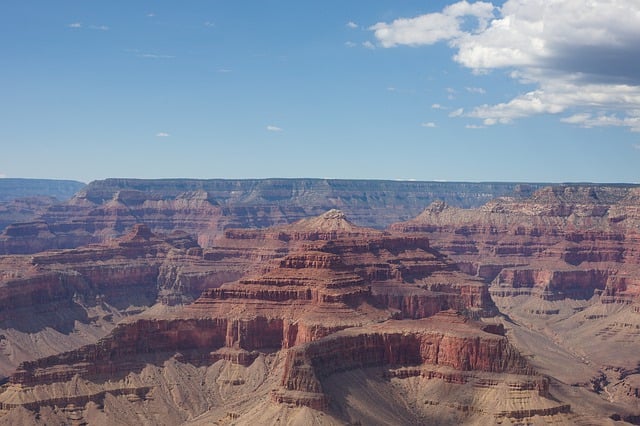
(578, 237)
(336, 276)
(104, 210)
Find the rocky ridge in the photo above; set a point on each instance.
(336, 276)
(70, 297)
(563, 265)
(104, 210)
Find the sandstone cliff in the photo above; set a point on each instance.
(62, 299)
(106, 209)
(563, 265)
(334, 276)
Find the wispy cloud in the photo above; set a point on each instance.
(438, 106)
(80, 25)
(580, 57)
(632, 120)
(151, 15)
(154, 56)
(272, 128)
(636, 146)
(456, 113)
(350, 44)
(224, 70)
(162, 135)
(209, 24)
(368, 45)
(474, 126)
(429, 124)
(352, 25)
(476, 90)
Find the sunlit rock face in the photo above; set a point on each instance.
(343, 298)
(563, 266)
(104, 210)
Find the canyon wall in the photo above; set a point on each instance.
(104, 210)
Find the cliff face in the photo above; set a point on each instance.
(23, 200)
(323, 314)
(334, 276)
(104, 210)
(444, 340)
(564, 241)
(63, 299)
(563, 265)
(445, 350)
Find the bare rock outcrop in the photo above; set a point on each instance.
(104, 210)
(567, 240)
(334, 276)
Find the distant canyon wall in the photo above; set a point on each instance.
(105, 209)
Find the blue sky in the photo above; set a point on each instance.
(430, 90)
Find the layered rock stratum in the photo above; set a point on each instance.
(23, 200)
(106, 209)
(55, 300)
(524, 310)
(333, 299)
(563, 265)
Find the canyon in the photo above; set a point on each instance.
(106, 209)
(170, 303)
(23, 200)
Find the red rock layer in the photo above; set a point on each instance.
(350, 277)
(444, 340)
(138, 268)
(104, 210)
(565, 241)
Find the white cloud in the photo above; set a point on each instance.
(151, 15)
(79, 25)
(273, 128)
(474, 126)
(476, 90)
(209, 24)
(430, 124)
(350, 44)
(437, 106)
(162, 135)
(368, 45)
(456, 113)
(352, 25)
(154, 56)
(432, 27)
(582, 58)
(632, 120)
(224, 70)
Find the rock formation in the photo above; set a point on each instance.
(563, 265)
(57, 299)
(341, 298)
(23, 200)
(524, 310)
(104, 210)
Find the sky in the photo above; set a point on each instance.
(515, 90)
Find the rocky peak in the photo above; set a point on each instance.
(139, 232)
(437, 207)
(332, 220)
(331, 225)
